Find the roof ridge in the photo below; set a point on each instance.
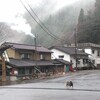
(20, 44)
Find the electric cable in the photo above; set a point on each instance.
(37, 21)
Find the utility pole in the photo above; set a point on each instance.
(75, 36)
(35, 52)
(3, 69)
(35, 48)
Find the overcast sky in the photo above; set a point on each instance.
(12, 11)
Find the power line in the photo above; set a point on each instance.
(38, 22)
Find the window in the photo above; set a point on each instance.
(71, 61)
(21, 71)
(61, 56)
(93, 51)
(42, 56)
(28, 71)
(98, 53)
(78, 61)
(24, 71)
(85, 61)
(25, 56)
(83, 50)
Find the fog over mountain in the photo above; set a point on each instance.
(9, 35)
(60, 22)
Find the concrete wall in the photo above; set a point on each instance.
(88, 50)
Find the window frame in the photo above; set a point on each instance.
(25, 56)
(60, 56)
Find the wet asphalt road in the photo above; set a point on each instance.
(86, 87)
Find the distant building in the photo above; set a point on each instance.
(68, 54)
(93, 50)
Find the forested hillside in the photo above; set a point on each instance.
(89, 25)
(60, 23)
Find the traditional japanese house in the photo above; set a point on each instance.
(29, 61)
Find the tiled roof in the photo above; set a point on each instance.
(69, 50)
(28, 63)
(27, 47)
(63, 61)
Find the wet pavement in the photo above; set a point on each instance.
(86, 86)
(30, 80)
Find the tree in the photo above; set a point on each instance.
(89, 26)
(97, 10)
(81, 17)
(96, 22)
(81, 26)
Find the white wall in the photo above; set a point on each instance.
(56, 53)
(73, 62)
(88, 50)
(97, 58)
(67, 57)
(78, 65)
(93, 56)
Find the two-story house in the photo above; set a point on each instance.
(28, 61)
(68, 54)
(93, 50)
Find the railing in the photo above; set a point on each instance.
(88, 44)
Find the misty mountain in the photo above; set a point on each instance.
(9, 35)
(61, 23)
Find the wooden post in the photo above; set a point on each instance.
(64, 68)
(3, 70)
